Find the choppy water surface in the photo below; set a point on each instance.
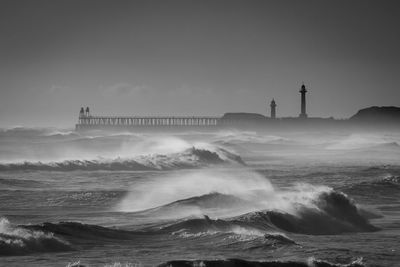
(229, 198)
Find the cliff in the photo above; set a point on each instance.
(377, 114)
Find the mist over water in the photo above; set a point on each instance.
(303, 198)
(180, 186)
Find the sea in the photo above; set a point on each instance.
(199, 198)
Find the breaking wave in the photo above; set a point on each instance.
(56, 237)
(331, 213)
(189, 158)
(16, 240)
(311, 262)
(245, 200)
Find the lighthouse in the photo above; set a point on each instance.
(273, 109)
(303, 92)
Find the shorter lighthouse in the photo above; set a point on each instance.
(273, 109)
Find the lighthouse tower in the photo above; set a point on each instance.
(273, 109)
(303, 92)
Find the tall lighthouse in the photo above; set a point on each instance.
(303, 92)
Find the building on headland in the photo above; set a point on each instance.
(87, 121)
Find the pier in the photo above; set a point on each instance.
(146, 121)
(87, 121)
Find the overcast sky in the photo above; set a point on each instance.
(201, 57)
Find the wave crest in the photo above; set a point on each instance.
(76, 230)
(190, 158)
(20, 241)
(332, 213)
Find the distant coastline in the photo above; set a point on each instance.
(385, 116)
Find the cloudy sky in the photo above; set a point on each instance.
(186, 57)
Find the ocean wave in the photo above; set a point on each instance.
(16, 240)
(18, 183)
(18, 132)
(311, 262)
(331, 213)
(279, 238)
(364, 142)
(75, 232)
(244, 199)
(248, 137)
(388, 182)
(387, 188)
(59, 237)
(82, 198)
(190, 158)
(212, 200)
(227, 232)
(328, 213)
(81, 231)
(208, 225)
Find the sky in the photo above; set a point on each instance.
(195, 57)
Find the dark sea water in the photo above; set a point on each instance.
(229, 198)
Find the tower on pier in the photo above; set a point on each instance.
(273, 109)
(82, 112)
(303, 92)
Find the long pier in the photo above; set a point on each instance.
(145, 121)
(87, 121)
